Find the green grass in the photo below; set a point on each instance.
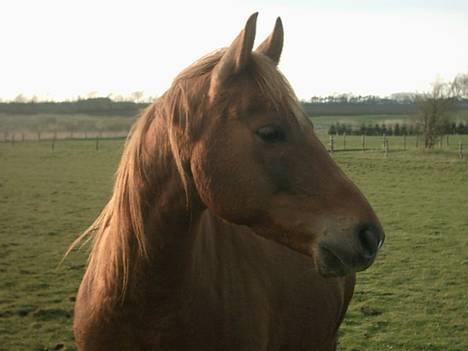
(414, 298)
(46, 198)
(418, 287)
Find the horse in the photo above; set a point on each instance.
(230, 227)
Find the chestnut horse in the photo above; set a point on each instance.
(230, 227)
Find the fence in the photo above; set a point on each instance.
(55, 136)
(335, 143)
(390, 144)
(59, 135)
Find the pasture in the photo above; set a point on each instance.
(415, 297)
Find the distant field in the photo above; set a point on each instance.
(83, 126)
(415, 297)
(65, 126)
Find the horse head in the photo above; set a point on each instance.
(257, 162)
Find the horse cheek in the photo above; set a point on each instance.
(227, 186)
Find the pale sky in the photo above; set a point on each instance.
(62, 49)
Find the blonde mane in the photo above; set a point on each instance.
(119, 234)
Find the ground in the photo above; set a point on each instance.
(415, 297)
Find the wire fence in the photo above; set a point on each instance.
(390, 144)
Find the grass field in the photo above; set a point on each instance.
(414, 298)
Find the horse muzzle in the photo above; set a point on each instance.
(341, 254)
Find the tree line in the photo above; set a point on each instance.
(92, 106)
(107, 106)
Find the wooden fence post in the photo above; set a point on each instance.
(404, 142)
(363, 142)
(332, 143)
(344, 141)
(54, 138)
(385, 145)
(460, 150)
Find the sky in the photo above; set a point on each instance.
(62, 49)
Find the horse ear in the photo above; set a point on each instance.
(236, 57)
(273, 45)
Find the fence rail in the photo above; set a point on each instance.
(390, 144)
(9, 137)
(54, 137)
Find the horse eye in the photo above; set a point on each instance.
(271, 134)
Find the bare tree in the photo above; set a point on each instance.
(460, 86)
(92, 95)
(21, 98)
(434, 111)
(137, 96)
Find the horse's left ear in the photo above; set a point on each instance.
(273, 45)
(236, 57)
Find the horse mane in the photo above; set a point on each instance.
(119, 236)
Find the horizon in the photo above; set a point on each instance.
(76, 49)
(21, 98)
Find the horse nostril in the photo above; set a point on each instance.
(370, 241)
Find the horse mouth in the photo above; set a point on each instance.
(331, 265)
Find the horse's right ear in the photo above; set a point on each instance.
(236, 57)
